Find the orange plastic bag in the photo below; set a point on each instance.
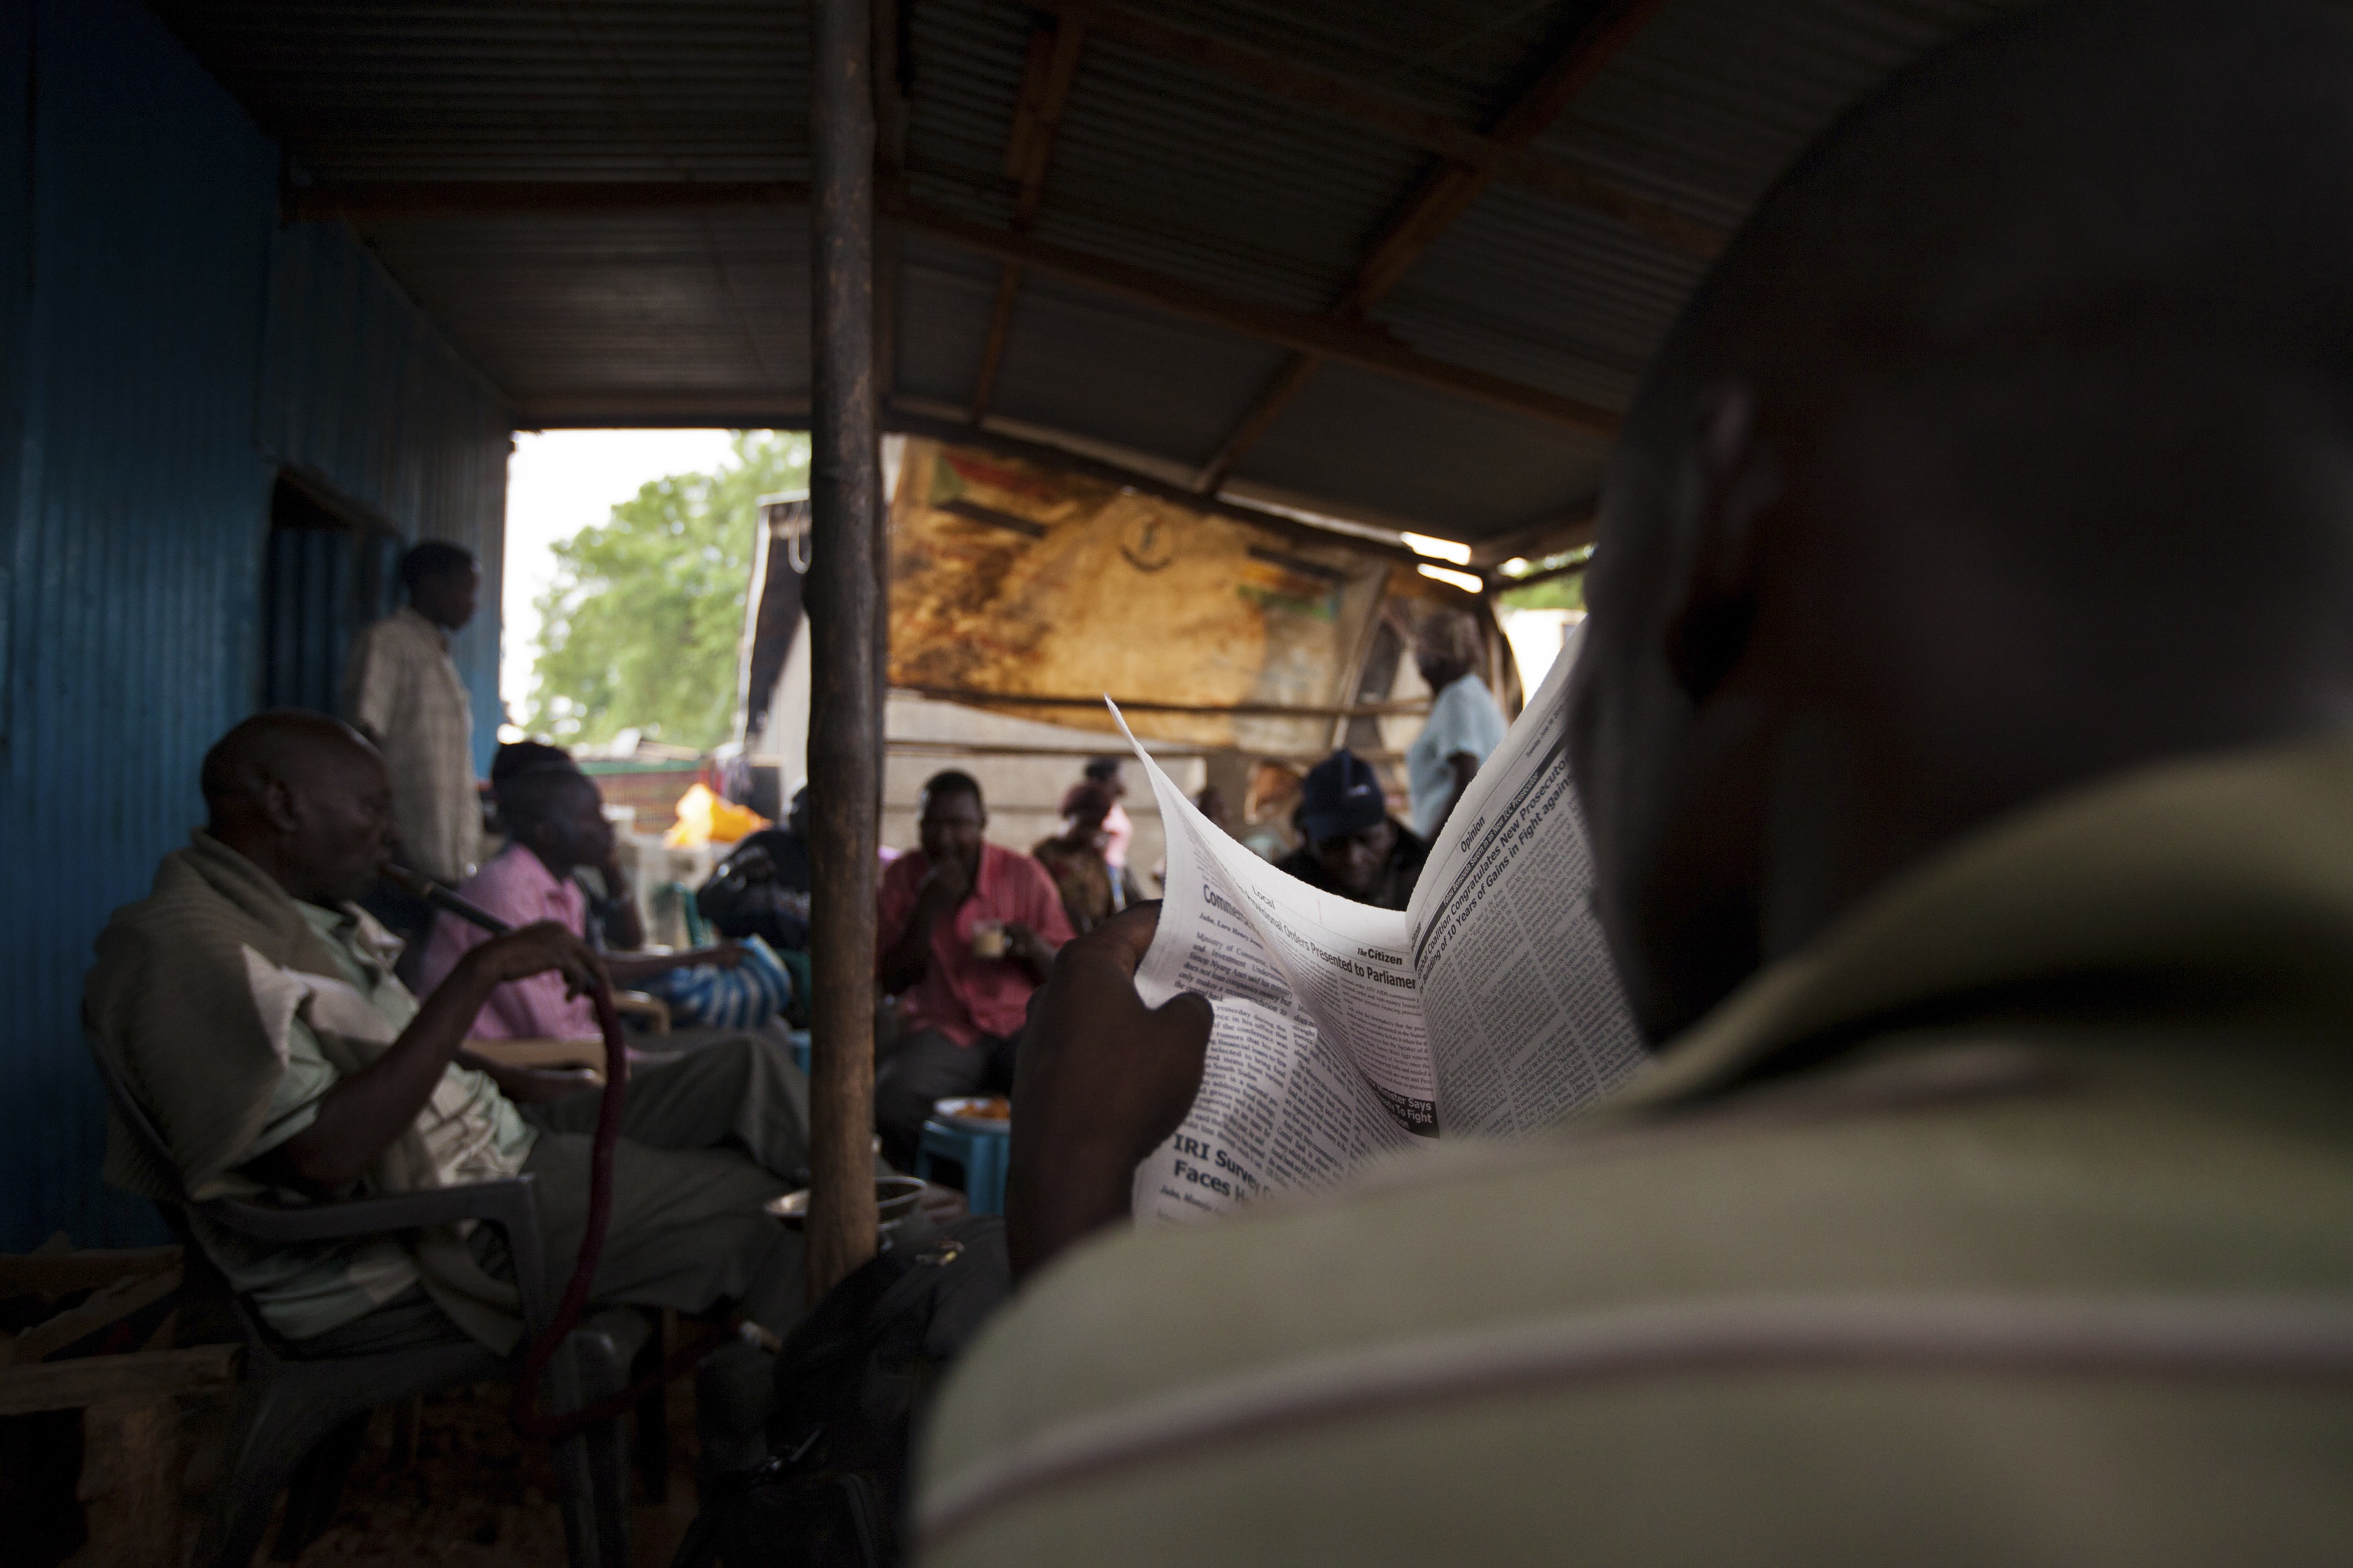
(705, 818)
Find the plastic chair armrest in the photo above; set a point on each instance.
(498, 1202)
(506, 1202)
(643, 1004)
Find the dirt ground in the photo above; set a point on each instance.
(468, 1491)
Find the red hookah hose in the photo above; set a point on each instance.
(528, 1418)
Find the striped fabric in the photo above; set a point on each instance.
(743, 997)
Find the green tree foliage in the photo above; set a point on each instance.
(641, 628)
(1559, 593)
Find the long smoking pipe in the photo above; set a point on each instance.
(416, 885)
(528, 1419)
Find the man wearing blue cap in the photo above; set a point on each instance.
(1353, 847)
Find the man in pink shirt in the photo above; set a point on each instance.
(968, 929)
(557, 820)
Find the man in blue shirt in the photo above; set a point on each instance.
(1464, 726)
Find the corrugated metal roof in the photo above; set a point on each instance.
(1167, 165)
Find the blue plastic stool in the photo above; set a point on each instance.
(983, 1155)
(800, 1039)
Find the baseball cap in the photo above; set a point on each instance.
(1340, 796)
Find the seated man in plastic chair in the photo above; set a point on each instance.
(252, 1009)
(554, 817)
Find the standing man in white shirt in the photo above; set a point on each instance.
(403, 691)
(1464, 726)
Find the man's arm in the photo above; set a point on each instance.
(369, 677)
(945, 887)
(1033, 951)
(632, 969)
(1101, 1082)
(359, 1118)
(1034, 941)
(1464, 767)
(625, 928)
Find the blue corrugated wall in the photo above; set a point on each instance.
(358, 390)
(164, 346)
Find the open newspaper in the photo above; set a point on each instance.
(1344, 1032)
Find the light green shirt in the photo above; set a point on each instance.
(471, 1132)
(2012, 1221)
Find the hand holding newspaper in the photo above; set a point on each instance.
(1486, 1007)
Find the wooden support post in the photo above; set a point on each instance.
(844, 706)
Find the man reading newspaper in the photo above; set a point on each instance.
(1966, 726)
(1343, 1031)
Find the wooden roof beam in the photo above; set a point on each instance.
(1359, 344)
(1409, 122)
(1355, 342)
(1052, 66)
(1444, 195)
(362, 200)
(1555, 533)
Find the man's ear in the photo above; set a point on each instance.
(282, 808)
(1730, 478)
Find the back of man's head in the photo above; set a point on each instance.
(303, 797)
(950, 783)
(514, 757)
(272, 748)
(432, 560)
(532, 797)
(2009, 445)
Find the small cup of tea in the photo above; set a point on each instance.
(989, 939)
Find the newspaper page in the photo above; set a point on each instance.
(1282, 1104)
(1525, 1016)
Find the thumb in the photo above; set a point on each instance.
(1191, 1012)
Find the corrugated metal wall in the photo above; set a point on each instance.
(147, 399)
(362, 393)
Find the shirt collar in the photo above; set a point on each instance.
(2233, 874)
(416, 618)
(353, 933)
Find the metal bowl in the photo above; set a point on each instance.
(894, 1196)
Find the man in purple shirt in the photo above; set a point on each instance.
(557, 820)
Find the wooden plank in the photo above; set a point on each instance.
(363, 200)
(1150, 705)
(543, 1052)
(150, 1375)
(1444, 196)
(55, 1273)
(110, 1305)
(657, 407)
(908, 421)
(1506, 584)
(1571, 528)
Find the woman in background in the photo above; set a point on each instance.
(1092, 890)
